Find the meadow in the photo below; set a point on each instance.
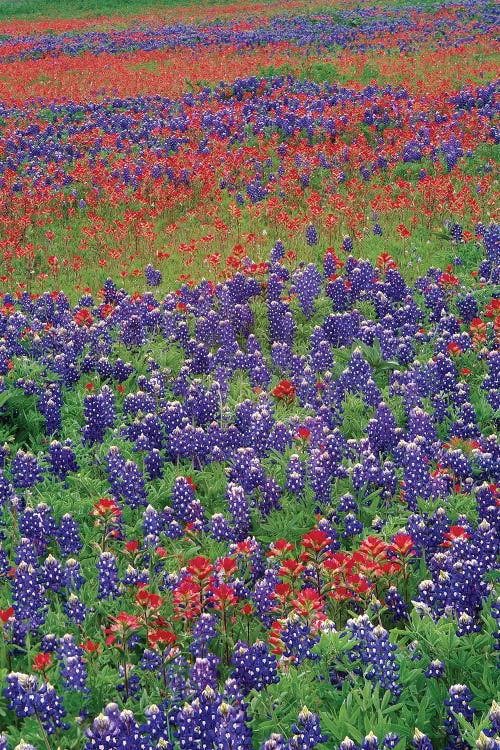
(249, 375)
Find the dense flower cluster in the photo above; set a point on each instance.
(221, 497)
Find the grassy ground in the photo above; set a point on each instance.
(10, 9)
(31, 9)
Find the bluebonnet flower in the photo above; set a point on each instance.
(295, 475)
(72, 576)
(114, 728)
(28, 597)
(396, 604)
(32, 528)
(308, 285)
(347, 244)
(275, 742)
(421, 741)
(254, 666)
(156, 727)
(75, 610)
(375, 653)
(51, 574)
(382, 429)
(306, 732)
(185, 506)
(494, 717)
(6, 489)
(203, 631)
(416, 474)
(153, 276)
(68, 536)
(126, 479)
(49, 405)
(26, 471)
(107, 571)
(99, 413)
(435, 669)
(240, 511)
(458, 702)
(220, 528)
(204, 672)
(277, 252)
(27, 697)
(73, 669)
(209, 719)
(297, 639)
(62, 459)
(263, 595)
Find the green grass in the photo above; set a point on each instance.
(30, 9)
(39, 9)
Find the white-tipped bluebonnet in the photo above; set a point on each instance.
(254, 666)
(107, 571)
(28, 697)
(68, 536)
(26, 471)
(435, 669)
(153, 276)
(421, 741)
(75, 610)
(375, 653)
(458, 703)
(99, 413)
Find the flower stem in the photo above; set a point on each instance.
(44, 733)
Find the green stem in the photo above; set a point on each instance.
(44, 733)
(224, 621)
(125, 673)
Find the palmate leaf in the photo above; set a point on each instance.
(365, 710)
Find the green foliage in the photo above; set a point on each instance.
(82, 8)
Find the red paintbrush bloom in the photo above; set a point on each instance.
(308, 603)
(91, 647)
(279, 548)
(122, 628)
(291, 569)
(147, 600)
(492, 309)
(454, 349)
(161, 638)
(106, 507)
(403, 231)
(316, 540)
(106, 311)
(41, 662)
(200, 568)
(455, 532)
(303, 433)
(373, 548)
(402, 545)
(189, 480)
(385, 261)
(285, 390)
(84, 318)
(6, 614)
(187, 598)
(227, 566)
(448, 280)
(223, 596)
(275, 638)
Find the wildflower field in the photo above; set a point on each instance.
(249, 375)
